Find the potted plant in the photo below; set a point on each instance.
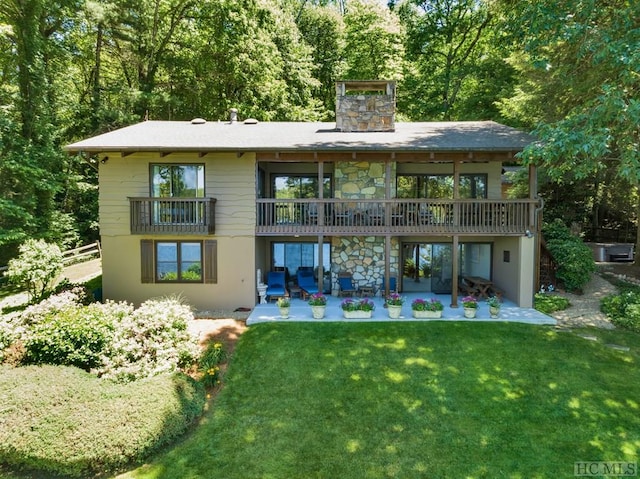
(318, 303)
(394, 304)
(494, 306)
(284, 303)
(357, 308)
(421, 308)
(470, 305)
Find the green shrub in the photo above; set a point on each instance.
(623, 309)
(550, 303)
(64, 421)
(75, 336)
(574, 258)
(36, 268)
(209, 364)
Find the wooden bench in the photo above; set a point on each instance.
(466, 289)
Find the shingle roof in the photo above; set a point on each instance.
(297, 136)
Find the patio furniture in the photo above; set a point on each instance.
(393, 284)
(275, 285)
(342, 215)
(481, 285)
(307, 283)
(366, 291)
(347, 287)
(464, 287)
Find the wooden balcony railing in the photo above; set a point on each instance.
(397, 216)
(172, 215)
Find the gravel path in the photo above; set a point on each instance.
(585, 308)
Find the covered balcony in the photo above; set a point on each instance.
(172, 215)
(395, 216)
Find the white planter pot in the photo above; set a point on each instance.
(357, 314)
(284, 313)
(318, 311)
(394, 311)
(470, 312)
(427, 314)
(494, 312)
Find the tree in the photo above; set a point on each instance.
(582, 58)
(323, 30)
(456, 56)
(373, 43)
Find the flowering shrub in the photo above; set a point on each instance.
(112, 340)
(351, 304)
(469, 302)
(317, 299)
(153, 339)
(36, 268)
(423, 305)
(394, 299)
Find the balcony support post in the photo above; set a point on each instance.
(454, 277)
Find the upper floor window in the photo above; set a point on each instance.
(177, 181)
(441, 186)
(300, 186)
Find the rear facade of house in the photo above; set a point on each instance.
(198, 208)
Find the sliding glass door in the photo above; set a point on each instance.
(429, 266)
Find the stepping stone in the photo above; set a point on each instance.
(618, 347)
(590, 338)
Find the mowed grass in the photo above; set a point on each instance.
(414, 400)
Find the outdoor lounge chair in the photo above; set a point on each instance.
(347, 287)
(393, 284)
(276, 285)
(306, 283)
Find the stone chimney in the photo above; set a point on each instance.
(365, 105)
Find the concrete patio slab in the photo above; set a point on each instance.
(301, 311)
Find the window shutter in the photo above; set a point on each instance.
(146, 261)
(210, 261)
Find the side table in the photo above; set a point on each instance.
(366, 291)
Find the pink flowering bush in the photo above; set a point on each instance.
(111, 340)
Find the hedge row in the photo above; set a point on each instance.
(65, 421)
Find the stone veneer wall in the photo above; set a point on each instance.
(365, 112)
(361, 256)
(359, 180)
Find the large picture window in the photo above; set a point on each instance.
(441, 186)
(177, 181)
(300, 186)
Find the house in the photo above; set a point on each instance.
(198, 207)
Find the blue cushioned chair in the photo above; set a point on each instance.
(393, 284)
(275, 285)
(306, 283)
(345, 282)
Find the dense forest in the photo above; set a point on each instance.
(567, 71)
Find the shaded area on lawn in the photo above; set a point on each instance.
(414, 400)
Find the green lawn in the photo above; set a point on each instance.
(414, 400)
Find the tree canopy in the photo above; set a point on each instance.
(568, 71)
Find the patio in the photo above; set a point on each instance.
(301, 311)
